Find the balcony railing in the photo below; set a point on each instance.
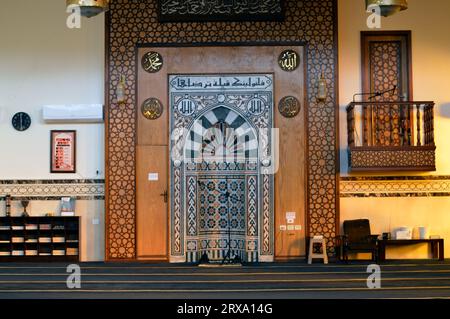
(391, 136)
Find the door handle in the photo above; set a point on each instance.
(165, 195)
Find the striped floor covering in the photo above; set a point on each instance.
(287, 280)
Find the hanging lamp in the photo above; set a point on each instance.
(388, 7)
(90, 8)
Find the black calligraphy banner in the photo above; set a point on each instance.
(220, 10)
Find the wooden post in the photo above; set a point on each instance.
(419, 142)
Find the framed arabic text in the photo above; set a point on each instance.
(63, 151)
(220, 10)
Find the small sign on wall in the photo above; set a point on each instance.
(63, 151)
(153, 177)
(290, 217)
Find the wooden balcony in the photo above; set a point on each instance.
(391, 136)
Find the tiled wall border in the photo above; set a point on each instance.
(395, 186)
(81, 189)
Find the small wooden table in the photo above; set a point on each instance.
(437, 246)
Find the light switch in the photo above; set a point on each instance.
(153, 177)
(95, 221)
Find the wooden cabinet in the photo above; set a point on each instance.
(39, 239)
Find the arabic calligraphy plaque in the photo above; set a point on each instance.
(222, 10)
(152, 62)
(289, 60)
(289, 107)
(152, 108)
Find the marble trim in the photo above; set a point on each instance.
(395, 186)
(93, 189)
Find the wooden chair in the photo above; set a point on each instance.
(357, 239)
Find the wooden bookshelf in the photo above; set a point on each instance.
(37, 239)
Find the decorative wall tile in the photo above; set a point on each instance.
(410, 186)
(217, 155)
(53, 189)
(136, 22)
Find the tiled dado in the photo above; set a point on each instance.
(83, 189)
(395, 186)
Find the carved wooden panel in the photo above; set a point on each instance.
(136, 22)
(393, 159)
(386, 66)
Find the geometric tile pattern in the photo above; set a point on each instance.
(385, 66)
(422, 186)
(422, 157)
(53, 189)
(130, 23)
(218, 158)
(219, 212)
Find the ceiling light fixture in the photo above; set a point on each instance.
(90, 8)
(388, 7)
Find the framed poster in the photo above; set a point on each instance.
(63, 151)
(220, 10)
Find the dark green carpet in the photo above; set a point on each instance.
(406, 279)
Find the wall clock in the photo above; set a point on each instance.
(21, 121)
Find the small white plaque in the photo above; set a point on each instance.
(298, 227)
(291, 215)
(153, 177)
(282, 227)
(291, 221)
(290, 227)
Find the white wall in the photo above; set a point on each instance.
(44, 62)
(429, 22)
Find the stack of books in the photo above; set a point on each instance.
(31, 252)
(18, 239)
(4, 241)
(31, 227)
(31, 240)
(5, 227)
(45, 240)
(72, 251)
(5, 253)
(17, 228)
(67, 214)
(45, 227)
(59, 252)
(18, 253)
(45, 254)
(59, 239)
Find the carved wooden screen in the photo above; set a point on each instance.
(386, 62)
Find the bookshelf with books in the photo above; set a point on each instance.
(39, 239)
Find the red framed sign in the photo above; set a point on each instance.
(63, 151)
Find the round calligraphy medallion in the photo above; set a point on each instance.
(152, 108)
(152, 62)
(289, 106)
(256, 106)
(186, 107)
(289, 60)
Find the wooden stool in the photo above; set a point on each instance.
(311, 253)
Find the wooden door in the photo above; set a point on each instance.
(152, 239)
